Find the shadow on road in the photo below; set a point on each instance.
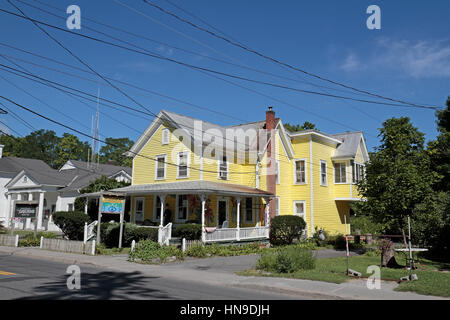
(100, 286)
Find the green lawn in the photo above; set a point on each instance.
(434, 277)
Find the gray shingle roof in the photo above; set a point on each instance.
(105, 169)
(199, 186)
(349, 145)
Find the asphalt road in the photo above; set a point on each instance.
(26, 278)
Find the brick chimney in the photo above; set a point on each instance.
(271, 164)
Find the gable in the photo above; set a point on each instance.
(22, 179)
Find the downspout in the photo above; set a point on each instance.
(311, 186)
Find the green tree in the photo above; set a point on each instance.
(439, 150)
(305, 126)
(40, 144)
(70, 147)
(398, 175)
(113, 151)
(12, 145)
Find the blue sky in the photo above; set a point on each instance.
(408, 59)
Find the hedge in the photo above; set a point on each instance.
(284, 229)
(71, 223)
(190, 231)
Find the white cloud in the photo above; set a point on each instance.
(419, 59)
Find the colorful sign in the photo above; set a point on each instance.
(25, 210)
(112, 205)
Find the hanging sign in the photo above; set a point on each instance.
(25, 210)
(113, 204)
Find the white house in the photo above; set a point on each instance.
(24, 179)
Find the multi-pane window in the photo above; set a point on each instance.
(248, 209)
(182, 165)
(182, 207)
(165, 136)
(223, 168)
(300, 171)
(299, 208)
(323, 173)
(160, 167)
(340, 174)
(357, 172)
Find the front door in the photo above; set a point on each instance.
(221, 212)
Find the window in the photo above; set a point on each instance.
(300, 171)
(160, 170)
(299, 208)
(223, 168)
(70, 207)
(323, 173)
(25, 179)
(139, 210)
(340, 173)
(182, 171)
(182, 207)
(357, 172)
(157, 213)
(277, 172)
(165, 136)
(248, 210)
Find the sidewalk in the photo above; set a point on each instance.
(205, 271)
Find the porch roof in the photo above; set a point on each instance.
(193, 187)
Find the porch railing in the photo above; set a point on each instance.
(89, 230)
(165, 234)
(253, 233)
(221, 235)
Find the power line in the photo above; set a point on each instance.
(276, 60)
(217, 72)
(17, 117)
(103, 141)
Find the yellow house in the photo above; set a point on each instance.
(233, 179)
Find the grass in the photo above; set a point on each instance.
(434, 277)
(102, 250)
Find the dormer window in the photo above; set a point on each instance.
(165, 136)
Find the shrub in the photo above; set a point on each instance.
(338, 242)
(319, 242)
(287, 260)
(30, 242)
(71, 223)
(110, 234)
(365, 225)
(284, 229)
(189, 231)
(150, 251)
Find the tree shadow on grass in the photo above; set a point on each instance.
(105, 285)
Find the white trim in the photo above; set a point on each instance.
(278, 172)
(277, 205)
(148, 134)
(143, 208)
(306, 171)
(187, 164)
(326, 173)
(303, 215)
(299, 134)
(156, 166)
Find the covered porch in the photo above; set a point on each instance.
(226, 212)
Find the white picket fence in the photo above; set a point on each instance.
(69, 246)
(11, 241)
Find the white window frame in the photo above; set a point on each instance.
(321, 173)
(253, 210)
(303, 215)
(165, 141)
(340, 172)
(219, 171)
(278, 171)
(356, 172)
(156, 166)
(187, 164)
(135, 206)
(306, 171)
(177, 208)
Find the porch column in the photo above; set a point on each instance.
(238, 218)
(28, 220)
(162, 198)
(267, 218)
(40, 210)
(203, 198)
(86, 205)
(9, 216)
